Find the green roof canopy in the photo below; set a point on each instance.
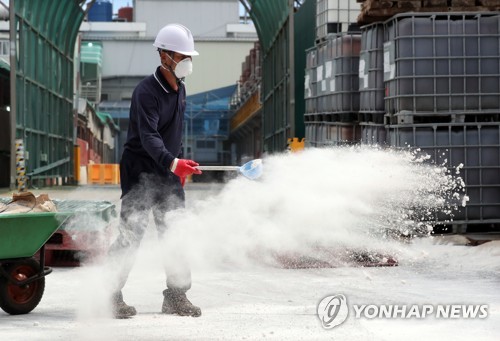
(268, 18)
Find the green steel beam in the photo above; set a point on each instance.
(13, 105)
(305, 36)
(53, 165)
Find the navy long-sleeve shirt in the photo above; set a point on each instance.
(156, 118)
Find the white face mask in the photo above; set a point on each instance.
(183, 68)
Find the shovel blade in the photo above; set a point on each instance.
(252, 169)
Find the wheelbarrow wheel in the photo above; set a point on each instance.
(15, 299)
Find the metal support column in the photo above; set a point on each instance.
(291, 68)
(13, 106)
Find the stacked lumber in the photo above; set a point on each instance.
(380, 10)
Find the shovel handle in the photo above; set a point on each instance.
(219, 168)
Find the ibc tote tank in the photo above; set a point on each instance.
(101, 11)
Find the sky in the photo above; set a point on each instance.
(117, 4)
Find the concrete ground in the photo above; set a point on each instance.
(261, 302)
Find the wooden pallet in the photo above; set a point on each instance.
(381, 10)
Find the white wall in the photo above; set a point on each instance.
(218, 65)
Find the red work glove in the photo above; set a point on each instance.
(184, 167)
(183, 181)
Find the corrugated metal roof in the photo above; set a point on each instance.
(213, 100)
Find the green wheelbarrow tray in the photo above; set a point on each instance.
(22, 277)
(23, 234)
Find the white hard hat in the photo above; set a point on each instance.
(177, 38)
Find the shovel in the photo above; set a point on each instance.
(251, 170)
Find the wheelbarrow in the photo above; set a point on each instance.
(22, 276)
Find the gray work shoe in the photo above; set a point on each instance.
(176, 302)
(120, 309)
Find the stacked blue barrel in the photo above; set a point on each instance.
(432, 81)
(331, 82)
(332, 95)
(425, 80)
(310, 122)
(371, 85)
